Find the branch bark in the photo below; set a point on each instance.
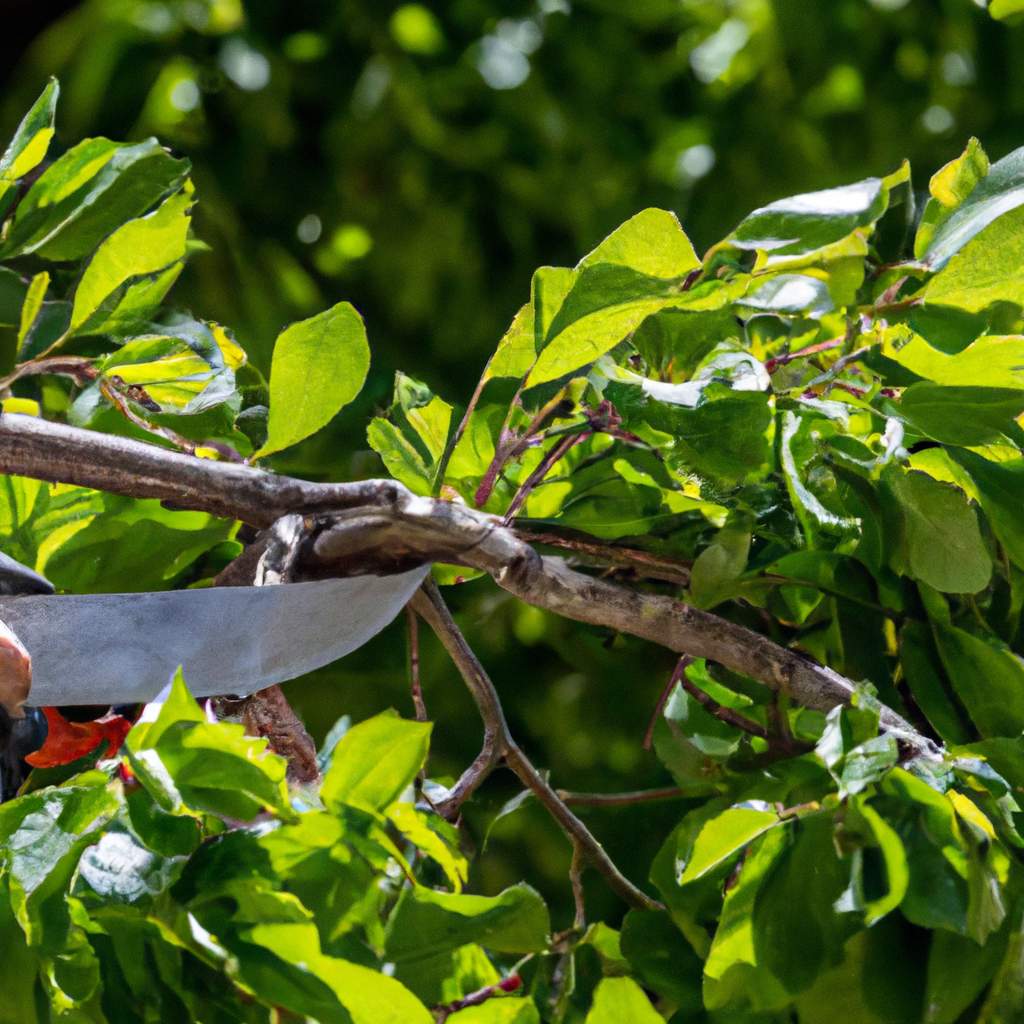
(380, 526)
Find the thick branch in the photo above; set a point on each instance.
(379, 526)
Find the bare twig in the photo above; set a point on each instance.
(775, 362)
(636, 796)
(576, 869)
(722, 713)
(415, 687)
(499, 988)
(79, 368)
(557, 452)
(498, 744)
(589, 552)
(678, 673)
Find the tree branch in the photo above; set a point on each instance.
(499, 744)
(379, 526)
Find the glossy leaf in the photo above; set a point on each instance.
(375, 762)
(319, 367)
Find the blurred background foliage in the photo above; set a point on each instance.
(421, 160)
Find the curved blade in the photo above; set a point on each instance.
(122, 648)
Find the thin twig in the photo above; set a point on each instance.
(576, 869)
(542, 469)
(802, 353)
(678, 672)
(511, 983)
(511, 445)
(643, 563)
(430, 604)
(415, 687)
(627, 799)
(80, 368)
(722, 713)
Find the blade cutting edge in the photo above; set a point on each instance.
(122, 648)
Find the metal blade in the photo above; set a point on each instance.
(122, 648)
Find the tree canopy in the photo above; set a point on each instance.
(775, 478)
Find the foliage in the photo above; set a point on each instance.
(818, 421)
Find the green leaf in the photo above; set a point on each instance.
(140, 247)
(651, 242)
(950, 187)
(966, 416)
(617, 1000)
(319, 366)
(988, 269)
(32, 304)
(733, 971)
(498, 1011)
(425, 923)
(987, 677)
(375, 762)
(796, 932)
(940, 541)
(635, 271)
(801, 224)
(89, 192)
(922, 670)
(993, 361)
(27, 149)
(1007, 10)
(1001, 491)
(993, 195)
(958, 971)
(719, 566)
(725, 836)
(894, 857)
(662, 959)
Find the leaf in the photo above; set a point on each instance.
(140, 247)
(634, 272)
(897, 872)
(651, 242)
(733, 971)
(987, 677)
(803, 223)
(32, 305)
(425, 923)
(940, 541)
(994, 195)
(662, 959)
(617, 1000)
(719, 566)
(923, 673)
(791, 293)
(988, 269)
(119, 870)
(723, 837)
(949, 187)
(1001, 491)
(319, 366)
(796, 932)
(498, 1011)
(32, 139)
(87, 193)
(958, 971)
(962, 415)
(993, 361)
(1006, 10)
(375, 761)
